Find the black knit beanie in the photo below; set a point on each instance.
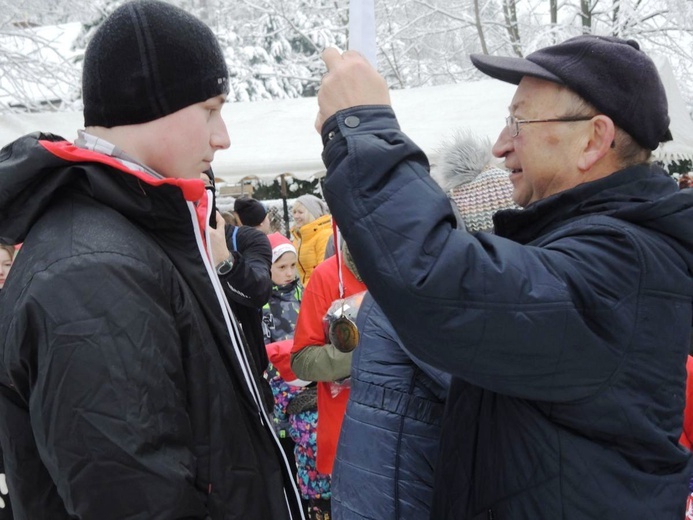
(147, 60)
(250, 211)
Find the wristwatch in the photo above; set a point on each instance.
(225, 266)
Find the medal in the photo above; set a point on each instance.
(344, 334)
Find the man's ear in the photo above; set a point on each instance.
(600, 140)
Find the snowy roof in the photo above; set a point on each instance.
(269, 138)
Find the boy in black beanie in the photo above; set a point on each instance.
(125, 387)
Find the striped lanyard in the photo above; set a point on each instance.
(338, 251)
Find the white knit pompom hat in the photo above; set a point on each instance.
(478, 189)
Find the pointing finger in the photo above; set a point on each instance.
(331, 56)
(351, 54)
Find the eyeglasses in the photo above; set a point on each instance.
(513, 123)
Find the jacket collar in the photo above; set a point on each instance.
(307, 231)
(622, 194)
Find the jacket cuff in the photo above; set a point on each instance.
(358, 120)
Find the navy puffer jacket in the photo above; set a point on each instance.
(390, 435)
(567, 332)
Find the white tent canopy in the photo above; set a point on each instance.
(269, 138)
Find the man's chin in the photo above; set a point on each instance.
(519, 197)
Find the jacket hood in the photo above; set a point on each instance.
(643, 195)
(36, 168)
(664, 208)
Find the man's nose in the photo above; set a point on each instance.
(504, 143)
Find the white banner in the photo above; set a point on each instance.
(362, 29)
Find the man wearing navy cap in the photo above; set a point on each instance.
(567, 330)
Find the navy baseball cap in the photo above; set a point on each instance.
(613, 75)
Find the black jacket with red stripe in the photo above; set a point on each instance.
(125, 391)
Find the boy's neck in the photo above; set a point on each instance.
(95, 143)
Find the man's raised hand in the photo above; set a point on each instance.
(350, 81)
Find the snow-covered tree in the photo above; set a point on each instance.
(273, 47)
(36, 71)
(276, 53)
